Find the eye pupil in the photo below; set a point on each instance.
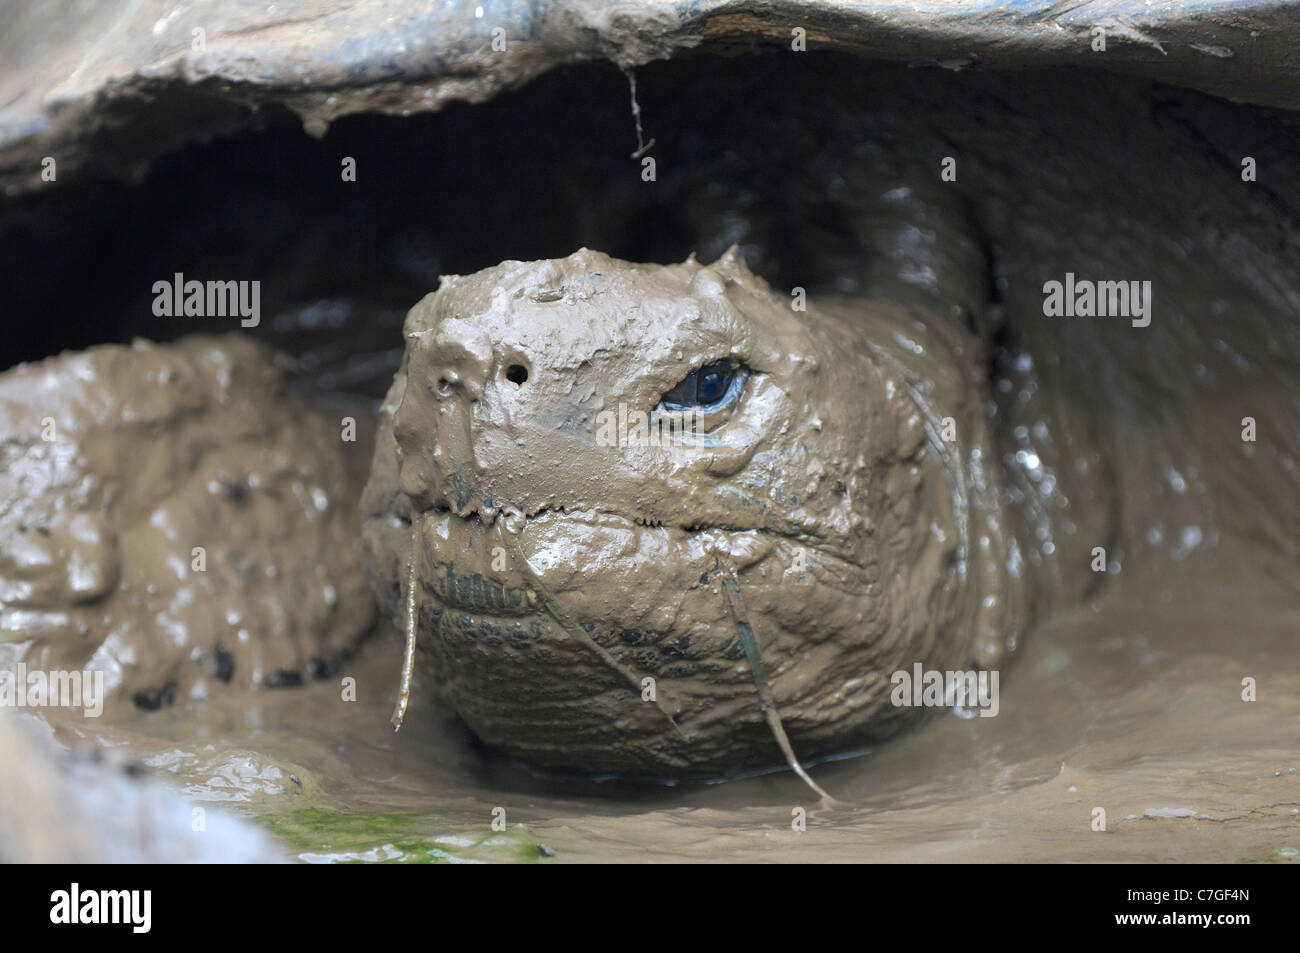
(710, 387)
(701, 387)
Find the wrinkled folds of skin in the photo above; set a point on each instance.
(861, 540)
(155, 451)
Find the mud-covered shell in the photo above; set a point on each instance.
(149, 77)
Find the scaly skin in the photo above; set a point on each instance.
(117, 465)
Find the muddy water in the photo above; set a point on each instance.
(1131, 703)
(1125, 695)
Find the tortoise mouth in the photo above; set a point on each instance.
(472, 562)
(587, 609)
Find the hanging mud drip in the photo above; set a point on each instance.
(745, 630)
(642, 147)
(410, 629)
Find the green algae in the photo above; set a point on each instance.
(314, 835)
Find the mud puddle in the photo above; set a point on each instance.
(1132, 704)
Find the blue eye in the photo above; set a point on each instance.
(702, 387)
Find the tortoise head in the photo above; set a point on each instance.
(629, 491)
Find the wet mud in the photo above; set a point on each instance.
(1161, 686)
(177, 522)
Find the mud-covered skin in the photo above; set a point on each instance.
(861, 540)
(118, 462)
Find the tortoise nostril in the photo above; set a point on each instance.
(516, 373)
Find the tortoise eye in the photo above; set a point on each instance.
(702, 387)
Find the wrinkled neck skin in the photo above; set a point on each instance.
(923, 246)
(849, 490)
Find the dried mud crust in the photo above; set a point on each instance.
(177, 518)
